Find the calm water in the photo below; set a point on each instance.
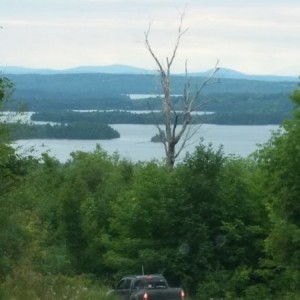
(135, 144)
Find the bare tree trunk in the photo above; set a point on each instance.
(172, 135)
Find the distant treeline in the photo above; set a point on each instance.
(246, 118)
(233, 101)
(88, 86)
(105, 117)
(125, 117)
(110, 91)
(78, 130)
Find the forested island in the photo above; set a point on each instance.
(74, 130)
(153, 117)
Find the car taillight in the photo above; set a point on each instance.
(182, 294)
(145, 297)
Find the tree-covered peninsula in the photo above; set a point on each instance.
(76, 130)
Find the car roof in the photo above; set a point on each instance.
(147, 277)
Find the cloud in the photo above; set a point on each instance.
(248, 35)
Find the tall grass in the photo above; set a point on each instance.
(29, 285)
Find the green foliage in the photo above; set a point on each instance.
(281, 164)
(92, 183)
(13, 233)
(224, 215)
(27, 285)
(279, 161)
(203, 217)
(141, 222)
(6, 90)
(12, 239)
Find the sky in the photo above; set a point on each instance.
(253, 37)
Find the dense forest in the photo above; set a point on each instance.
(223, 227)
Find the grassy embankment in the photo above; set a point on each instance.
(28, 285)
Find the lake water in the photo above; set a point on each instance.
(135, 144)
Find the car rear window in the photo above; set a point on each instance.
(155, 284)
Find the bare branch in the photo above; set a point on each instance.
(160, 131)
(181, 32)
(190, 133)
(148, 46)
(186, 89)
(204, 83)
(162, 135)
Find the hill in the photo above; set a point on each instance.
(233, 74)
(126, 69)
(109, 69)
(92, 85)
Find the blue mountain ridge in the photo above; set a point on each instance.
(126, 69)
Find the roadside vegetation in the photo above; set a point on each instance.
(27, 285)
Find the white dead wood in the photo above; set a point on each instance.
(173, 133)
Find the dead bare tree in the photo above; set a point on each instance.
(172, 134)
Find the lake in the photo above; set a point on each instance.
(135, 144)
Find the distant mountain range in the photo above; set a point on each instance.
(110, 69)
(232, 74)
(125, 69)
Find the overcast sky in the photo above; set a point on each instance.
(254, 37)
